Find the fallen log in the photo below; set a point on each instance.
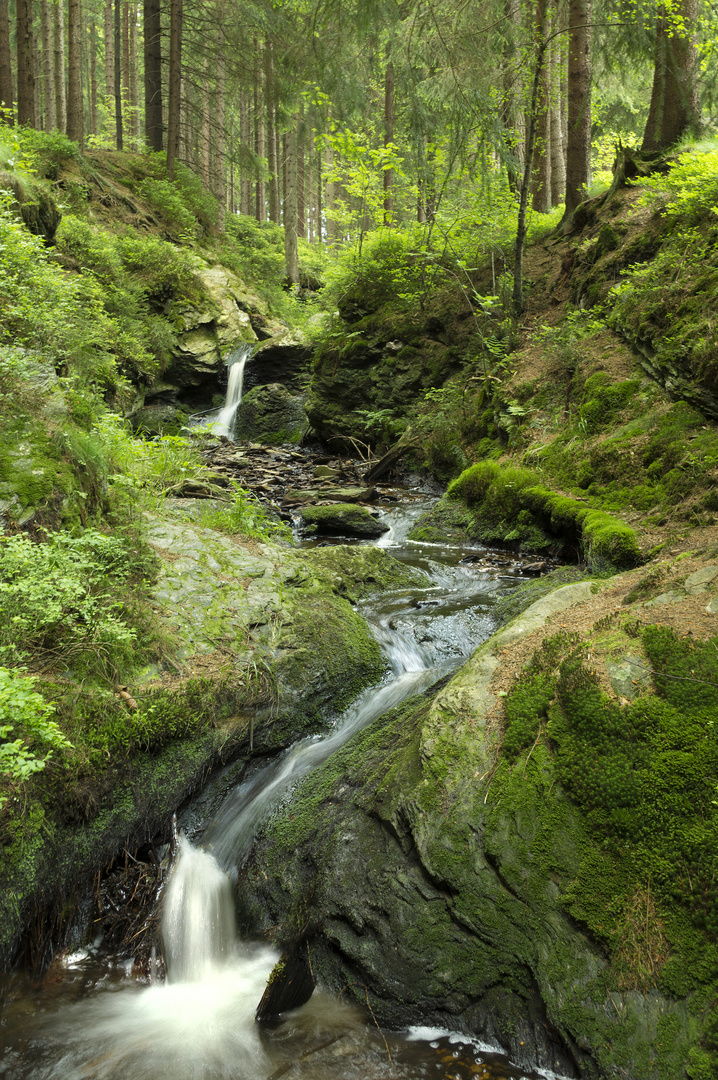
(290, 985)
(390, 458)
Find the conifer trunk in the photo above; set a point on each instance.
(175, 86)
(291, 249)
(117, 82)
(153, 74)
(47, 65)
(6, 87)
(578, 145)
(220, 116)
(25, 64)
(674, 109)
(542, 150)
(58, 18)
(109, 53)
(74, 71)
(388, 139)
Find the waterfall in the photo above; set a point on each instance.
(225, 420)
(198, 926)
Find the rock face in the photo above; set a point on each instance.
(436, 881)
(270, 414)
(343, 520)
(211, 331)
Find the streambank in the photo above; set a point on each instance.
(494, 855)
(263, 647)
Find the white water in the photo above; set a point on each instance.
(199, 1025)
(198, 927)
(224, 422)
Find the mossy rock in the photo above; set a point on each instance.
(271, 414)
(342, 520)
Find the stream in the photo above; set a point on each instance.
(89, 1019)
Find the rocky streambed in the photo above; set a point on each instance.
(433, 878)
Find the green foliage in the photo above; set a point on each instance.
(525, 710)
(245, 516)
(60, 317)
(26, 714)
(256, 250)
(689, 190)
(154, 466)
(511, 506)
(166, 200)
(60, 600)
(45, 150)
(136, 277)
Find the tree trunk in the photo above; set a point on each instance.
(245, 134)
(153, 74)
(109, 53)
(291, 249)
(47, 65)
(674, 110)
(578, 146)
(25, 64)
(175, 86)
(301, 186)
(558, 160)
(134, 87)
(117, 87)
(388, 139)
(511, 112)
(74, 71)
(220, 156)
(126, 97)
(259, 194)
(37, 79)
(542, 149)
(6, 95)
(272, 155)
(206, 132)
(58, 18)
(93, 77)
(329, 197)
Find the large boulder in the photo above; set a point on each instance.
(211, 329)
(343, 519)
(270, 414)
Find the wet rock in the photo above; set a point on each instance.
(341, 520)
(270, 414)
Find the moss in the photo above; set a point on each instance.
(508, 505)
(358, 572)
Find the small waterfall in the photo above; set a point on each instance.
(226, 418)
(198, 926)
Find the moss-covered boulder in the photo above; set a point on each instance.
(271, 414)
(504, 855)
(504, 504)
(342, 520)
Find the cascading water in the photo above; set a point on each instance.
(224, 422)
(199, 1024)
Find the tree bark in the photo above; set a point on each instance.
(109, 53)
(206, 133)
(245, 135)
(558, 159)
(134, 87)
(25, 64)
(47, 65)
(153, 74)
(58, 18)
(291, 249)
(674, 110)
(175, 86)
(259, 194)
(388, 139)
(6, 87)
(542, 149)
(272, 155)
(220, 147)
(578, 146)
(93, 77)
(74, 71)
(117, 87)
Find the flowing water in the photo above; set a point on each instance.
(222, 421)
(92, 1021)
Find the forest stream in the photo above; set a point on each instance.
(89, 1018)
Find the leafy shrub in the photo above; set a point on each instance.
(256, 250)
(689, 190)
(58, 599)
(165, 199)
(153, 465)
(245, 516)
(26, 714)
